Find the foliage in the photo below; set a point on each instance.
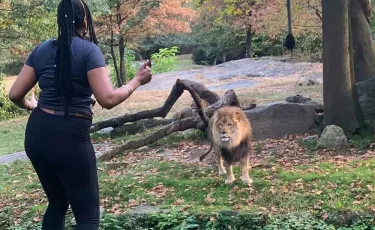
(150, 45)
(131, 66)
(128, 22)
(217, 44)
(20, 28)
(359, 142)
(164, 60)
(8, 109)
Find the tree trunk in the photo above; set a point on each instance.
(113, 54)
(122, 59)
(363, 53)
(248, 42)
(364, 56)
(337, 86)
(121, 46)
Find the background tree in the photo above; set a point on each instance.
(348, 58)
(130, 20)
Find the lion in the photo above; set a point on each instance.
(230, 133)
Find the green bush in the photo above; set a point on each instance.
(12, 67)
(164, 60)
(8, 109)
(221, 221)
(264, 45)
(150, 45)
(218, 44)
(131, 66)
(217, 221)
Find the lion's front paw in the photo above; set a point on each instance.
(229, 181)
(222, 172)
(246, 180)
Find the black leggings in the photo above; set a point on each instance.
(62, 155)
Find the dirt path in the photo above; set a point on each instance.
(99, 150)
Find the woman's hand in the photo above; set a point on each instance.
(33, 102)
(144, 74)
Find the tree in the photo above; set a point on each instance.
(337, 85)
(20, 27)
(348, 59)
(130, 20)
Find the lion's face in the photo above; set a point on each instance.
(229, 126)
(226, 127)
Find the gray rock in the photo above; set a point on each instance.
(332, 137)
(144, 209)
(276, 120)
(297, 99)
(73, 220)
(310, 138)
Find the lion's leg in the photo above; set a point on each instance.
(230, 176)
(219, 161)
(245, 171)
(220, 165)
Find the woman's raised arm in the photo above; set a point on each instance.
(106, 95)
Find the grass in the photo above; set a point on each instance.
(184, 62)
(11, 136)
(319, 187)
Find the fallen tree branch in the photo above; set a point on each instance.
(194, 88)
(229, 98)
(181, 125)
(139, 126)
(196, 122)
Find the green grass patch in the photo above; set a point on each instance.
(317, 188)
(12, 135)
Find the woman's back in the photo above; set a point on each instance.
(85, 57)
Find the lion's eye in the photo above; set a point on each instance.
(229, 124)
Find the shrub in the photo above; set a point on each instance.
(164, 60)
(12, 67)
(148, 46)
(218, 44)
(8, 109)
(217, 221)
(131, 66)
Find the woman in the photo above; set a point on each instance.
(57, 138)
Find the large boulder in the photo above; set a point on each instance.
(332, 137)
(278, 119)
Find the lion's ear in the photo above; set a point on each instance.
(237, 116)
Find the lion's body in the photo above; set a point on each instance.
(230, 133)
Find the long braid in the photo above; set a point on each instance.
(90, 24)
(64, 53)
(67, 28)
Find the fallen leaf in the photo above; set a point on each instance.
(37, 219)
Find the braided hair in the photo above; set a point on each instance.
(71, 15)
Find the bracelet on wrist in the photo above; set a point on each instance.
(130, 90)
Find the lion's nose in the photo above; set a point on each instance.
(223, 132)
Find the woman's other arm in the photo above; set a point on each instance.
(25, 81)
